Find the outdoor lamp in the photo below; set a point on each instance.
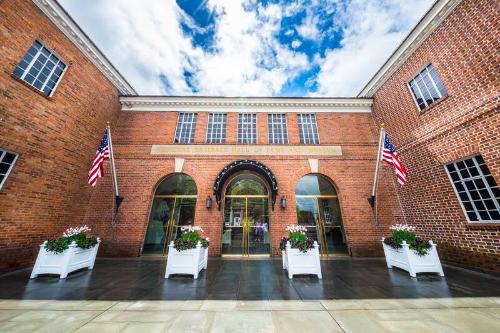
(283, 202)
(208, 202)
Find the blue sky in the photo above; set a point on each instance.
(249, 47)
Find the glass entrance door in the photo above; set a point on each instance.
(246, 225)
(318, 210)
(173, 207)
(246, 217)
(168, 215)
(320, 217)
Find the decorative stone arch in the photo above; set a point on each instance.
(241, 165)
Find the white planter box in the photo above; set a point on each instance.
(296, 262)
(411, 262)
(186, 262)
(70, 260)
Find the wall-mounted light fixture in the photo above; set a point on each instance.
(208, 202)
(283, 202)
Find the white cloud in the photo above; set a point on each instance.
(372, 30)
(296, 43)
(145, 41)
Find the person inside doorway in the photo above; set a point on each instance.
(258, 230)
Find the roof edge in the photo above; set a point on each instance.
(239, 104)
(427, 24)
(64, 22)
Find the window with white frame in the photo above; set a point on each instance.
(216, 128)
(277, 127)
(186, 125)
(40, 68)
(427, 87)
(247, 128)
(308, 130)
(7, 160)
(476, 189)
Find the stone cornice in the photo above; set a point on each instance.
(243, 104)
(429, 22)
(54, 11)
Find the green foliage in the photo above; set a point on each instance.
(62, 244)
(189, 240)
(420, 246)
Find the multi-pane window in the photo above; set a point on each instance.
(247, 128)
(278, 130)
(40, 68)
(308, 131)
(427, 87)
(186, 124)
(216, 130)
(476, 189)
(7, 160)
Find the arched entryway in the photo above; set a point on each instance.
(245, 189)
(246, 216)
(318, 209)
(173, 206)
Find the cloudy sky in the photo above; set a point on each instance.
(247, 47)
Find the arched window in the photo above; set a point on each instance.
(318, 209)
(173, 206)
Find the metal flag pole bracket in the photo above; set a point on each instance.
(117, 199)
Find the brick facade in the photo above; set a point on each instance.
(139, 172)
(55, 137)
(464, 51)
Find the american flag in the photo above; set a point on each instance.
(102, 154)
(390, 156)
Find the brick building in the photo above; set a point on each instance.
(244, 168)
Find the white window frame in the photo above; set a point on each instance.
(192, 128)
(3, 152)
(256, 129)
(223, 124)
(483, 178)
(284, 129)
(434, 85)
(30, 65)
(301, 128)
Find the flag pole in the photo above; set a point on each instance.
(372, 199)
(112, 157)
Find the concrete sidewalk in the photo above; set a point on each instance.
(367, 316)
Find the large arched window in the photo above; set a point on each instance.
(173, 206)
(318, 209)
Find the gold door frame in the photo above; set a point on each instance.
(320, 223)
(171, 225)
(246, 221)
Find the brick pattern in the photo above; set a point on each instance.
(139, 173)
(55, 137)
(464, 51)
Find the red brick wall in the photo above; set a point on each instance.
(55, 137)
(464, 50)
(139, 172)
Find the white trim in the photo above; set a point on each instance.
(53, 10)
(483, 178)
(244, 104)
(429, 22)
(2, 154)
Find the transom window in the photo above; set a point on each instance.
(308, 129)
(247, 128)
(476, 189)
(40, 68)
(427, 87)
(186, 124)
(7, 160)
(278, 130)
(216, 130)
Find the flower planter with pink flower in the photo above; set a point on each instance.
(188, 254)
(67, 254)
(410, 253)
(300, 254)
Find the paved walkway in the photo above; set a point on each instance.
(355, 295)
